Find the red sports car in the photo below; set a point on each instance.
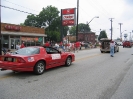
(36, 59)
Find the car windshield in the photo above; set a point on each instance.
(27, 51)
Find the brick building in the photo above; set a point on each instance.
(12, 34)
(87, 37)
(82, 36)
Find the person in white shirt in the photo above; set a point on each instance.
(56, 46)
(17, 46)
(112, 45)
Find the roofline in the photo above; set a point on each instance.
(22, 34)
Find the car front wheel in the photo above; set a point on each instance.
(68, 61)
(39, 68)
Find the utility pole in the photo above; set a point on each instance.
(130, 36)
(61, 35)
(120, 31)
(77, 20)
(111, 27)
(0, 33)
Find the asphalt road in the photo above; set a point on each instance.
(93, 75)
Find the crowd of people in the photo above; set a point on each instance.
(8, 51)
(66, 47)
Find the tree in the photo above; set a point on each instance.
(22, 24)
(49, 16)
(72, 30)
(81, 28)
(31, 21)
(103, 34)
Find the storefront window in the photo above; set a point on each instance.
(38, 43)
(5, 41)
(32, 41)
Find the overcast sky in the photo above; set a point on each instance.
(120, 10)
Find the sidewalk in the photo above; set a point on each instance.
(83, 48)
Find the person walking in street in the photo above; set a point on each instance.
(77, 45)
(112, 45)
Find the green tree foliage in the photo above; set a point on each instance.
(81, 28)
(72, 30)
(49, 16)
(22, 24)
(31, 21)
(103, 34)
(65, 29)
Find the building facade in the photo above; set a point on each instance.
(87, 37)
(12, 34)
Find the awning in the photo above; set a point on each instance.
(22, 34)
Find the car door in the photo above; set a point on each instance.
(55, 56)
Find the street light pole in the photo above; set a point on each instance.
(92, 19)
(89, 23)
(77, 20)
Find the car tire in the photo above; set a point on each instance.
(101, 51)
(114, 50)
(39, 68)
(68, 61)
(118, 50)
(14, 71)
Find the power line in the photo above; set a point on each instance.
(16, 9)
(20, 6)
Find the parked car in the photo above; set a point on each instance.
(36, 59)
(127, 44)
(105, 45)
(120, 43)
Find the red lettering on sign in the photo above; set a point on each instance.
(68, 22)
(68, 17)
(68, 11)
(10, 27)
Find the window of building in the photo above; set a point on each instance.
(32, 41)
(5, 41)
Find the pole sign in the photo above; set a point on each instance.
(68, 16)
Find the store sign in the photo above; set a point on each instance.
(11, 27)
(40, 39)
(68, 17)
(30, 39)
